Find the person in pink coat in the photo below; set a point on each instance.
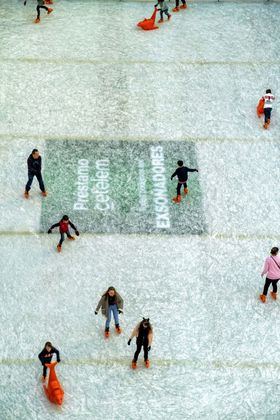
(272, 271)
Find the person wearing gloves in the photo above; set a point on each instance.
(46, 356)
(63, 225)
(110, 302)
(163, 9)
(272, 271)
(144, 337)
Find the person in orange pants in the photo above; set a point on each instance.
(40, 5)
(183, 6)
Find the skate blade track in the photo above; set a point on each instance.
(195, 139)
(204, 236)
(212, 364)
(79, 61)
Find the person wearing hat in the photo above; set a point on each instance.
(110, 302)
(144, 338)
(272, 271)
(63, 225)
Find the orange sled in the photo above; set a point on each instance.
(149, 24)
(260, 107)
(53, 390)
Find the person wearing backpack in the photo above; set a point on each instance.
(272, 271)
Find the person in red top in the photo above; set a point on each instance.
(64, 229)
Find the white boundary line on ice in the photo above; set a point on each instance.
(75, 61)
(211, 364)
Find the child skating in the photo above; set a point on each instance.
(272, 271)
(110, 302)
(63, 225)
(183, 6)
(182, 175)
(267, 108)
(46, 356)
(163, 9)
(34, 165)
(41, 5)
(144, 338)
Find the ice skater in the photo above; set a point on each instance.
(34, 165)
(63, 225)
(267, 108)
(163, 9)
(272, 271)
(110, 302)
(144, 338)
(183, 6)
(46, 356)
(182, 174)
(41, 5)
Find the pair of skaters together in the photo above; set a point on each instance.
(163, 8)
(110, 302)
(41, 5)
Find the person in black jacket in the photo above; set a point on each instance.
(182, 174)
(46, 356)
(63, 225)
(34, 164)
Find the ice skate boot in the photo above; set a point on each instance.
(71, 238)
(118, 329)
(263, 298)
(160, 20)
(147, 363)
(183, 6)
(169, 17)
(133, 364)
(265, 126)
(58, 248)
(49, 10)
(107, 333)
(176, 9)
(44, 193)
(26, 194)
(273, 295)
(177, 199)
(37, 20)
(186, 191)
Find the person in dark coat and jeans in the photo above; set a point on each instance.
(46, 356)
(144, 337)
(34, 165)
(182, 174)
(63, 225)
(111, 301)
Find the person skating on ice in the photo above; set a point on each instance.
(34, 166)
(272, 271)
(40, 5)
(182, 175)
(63, 225)
(46, 356)
(183, 6)
(110, 302)
(163, 9)
(144, 338)
(267, 108)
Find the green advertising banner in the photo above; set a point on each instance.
(121, 187)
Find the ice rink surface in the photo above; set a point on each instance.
(86, 73)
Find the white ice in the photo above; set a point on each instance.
(87, 72)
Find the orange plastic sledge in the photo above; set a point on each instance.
(260, 107)
(149, 24)
(53, 390)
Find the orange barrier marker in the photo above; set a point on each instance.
(53, 390)
(149, 24)
(260, 107)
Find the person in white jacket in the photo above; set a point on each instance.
(267, 108)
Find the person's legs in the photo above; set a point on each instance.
(266, 286)
(45, 371)
(136, 354)
(179, 185)
(274, 285)
(61, 238)
(146, 353)
(29, 182)
(267, 114)
(108, 320)
(41, 182)
(116, 314)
